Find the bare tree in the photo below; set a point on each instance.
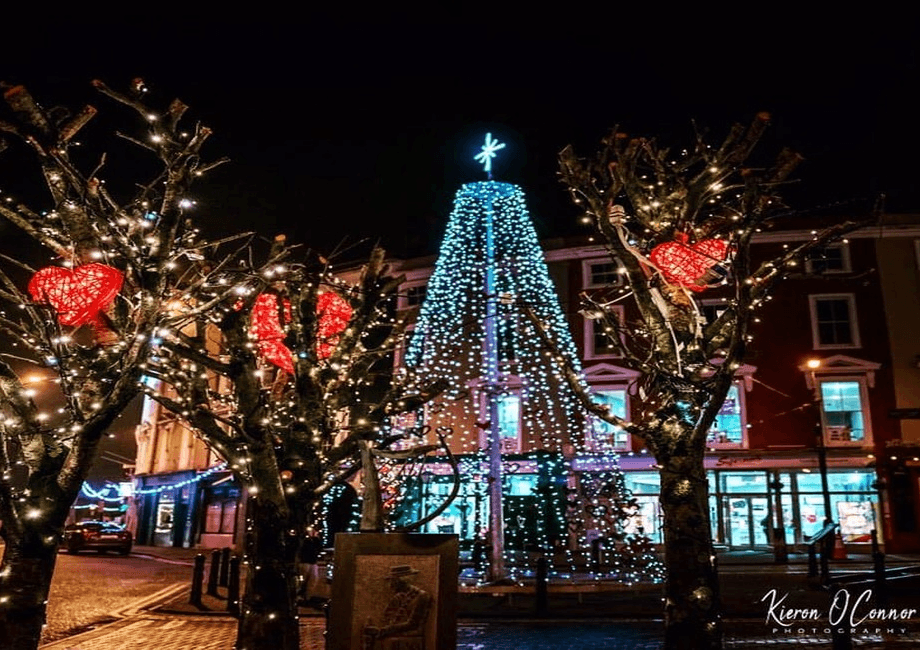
(678, 223)
(88, 319)
(290, 379)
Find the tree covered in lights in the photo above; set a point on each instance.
(289, 377)
(83, 323)
(678, 224)
(473, 333)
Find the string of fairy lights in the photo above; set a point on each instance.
(447, 344)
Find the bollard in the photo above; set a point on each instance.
(224, 566)
(541, 587)
(233, 586)
(812, 561)
(213, 574)
(197, 579)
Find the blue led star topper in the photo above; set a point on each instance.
(488, 153)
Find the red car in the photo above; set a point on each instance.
(99, 536)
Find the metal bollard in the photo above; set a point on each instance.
(224, 566)
(213, 574)
(197, 580)
(233, 586)
(541, 590)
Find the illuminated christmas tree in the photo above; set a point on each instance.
(473, 331)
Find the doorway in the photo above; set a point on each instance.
(744, 517)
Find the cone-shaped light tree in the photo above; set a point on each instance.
(473, 333)
(678, 223)
(84, 322)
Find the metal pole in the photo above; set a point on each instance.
(822, 466)
(493, 388)
(780, 550)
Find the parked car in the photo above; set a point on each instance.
(99, 536)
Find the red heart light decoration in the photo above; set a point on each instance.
(688, 265)
(78, 295)
(266, 327)
(334, 314)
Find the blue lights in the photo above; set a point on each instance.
(488, 153)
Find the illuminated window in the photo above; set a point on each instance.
(604, 436)
(833, 321)
(842, 404)
(509, 422)
(728, 428)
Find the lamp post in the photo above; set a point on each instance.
(814, 364)
(780, 550)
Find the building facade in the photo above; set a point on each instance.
(822, 422)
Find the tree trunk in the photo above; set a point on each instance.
(692, 605)
(25, 580)
(268, 611)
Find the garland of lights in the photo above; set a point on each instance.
(172, 486)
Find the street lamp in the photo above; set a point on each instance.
(814, 364)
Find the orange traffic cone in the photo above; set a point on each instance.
(840, 551)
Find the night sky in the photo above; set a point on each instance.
(362, 127)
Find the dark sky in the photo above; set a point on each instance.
(365, 125)
(347, 127)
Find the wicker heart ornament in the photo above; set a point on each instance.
(79, 295)
(694, 266)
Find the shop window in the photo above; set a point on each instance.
(833, 321)
(728, 430)
(165, 511)
(833, 258)
(604, 436)
(842, 403)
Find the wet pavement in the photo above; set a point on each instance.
(602, 618)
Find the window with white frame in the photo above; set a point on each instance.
(844, 414)
(833, 258)
(728, 429)
(599, 341)
(603, 436)
(601, 272)
(412, 295)
(833, 321)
